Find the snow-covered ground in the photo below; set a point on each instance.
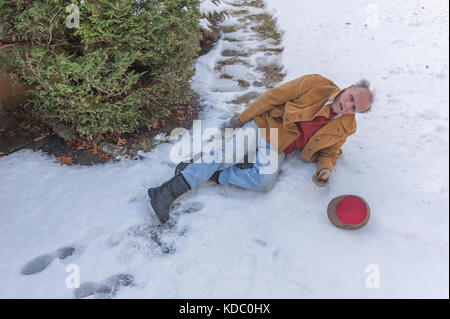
(278, 244)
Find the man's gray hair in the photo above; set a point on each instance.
(364, 83)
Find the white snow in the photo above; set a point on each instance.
(270, 245)
(209, 7)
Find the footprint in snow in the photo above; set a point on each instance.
(38, 264)
(186, 208)
(153, 237)
(105, 289)
(177, 208)
(155, 232)
(152, 234)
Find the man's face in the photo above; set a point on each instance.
(352, 100)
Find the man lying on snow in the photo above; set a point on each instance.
(311, 113)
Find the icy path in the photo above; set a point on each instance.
(228, 242)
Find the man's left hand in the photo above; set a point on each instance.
(235, 121)
(322, 178)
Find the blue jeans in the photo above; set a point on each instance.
(261, 177)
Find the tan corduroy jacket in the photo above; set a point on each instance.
(298, 100)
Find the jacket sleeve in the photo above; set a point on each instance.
(277, 96)
(327, 157)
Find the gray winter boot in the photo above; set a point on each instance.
(163, 196)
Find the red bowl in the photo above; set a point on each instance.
(348, 212)
(351, 210)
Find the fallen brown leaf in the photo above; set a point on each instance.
(94, 151)
(154, 123)
(65, 160)
(105, 157)
(83, 146)
(40, 137)
(121, 141)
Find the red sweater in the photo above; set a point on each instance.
(307, 129)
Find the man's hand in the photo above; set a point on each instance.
(235, 121)
(322, 178)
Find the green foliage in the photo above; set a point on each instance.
(128, 63)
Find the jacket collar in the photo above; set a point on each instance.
(349, 120)
(333, 96)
